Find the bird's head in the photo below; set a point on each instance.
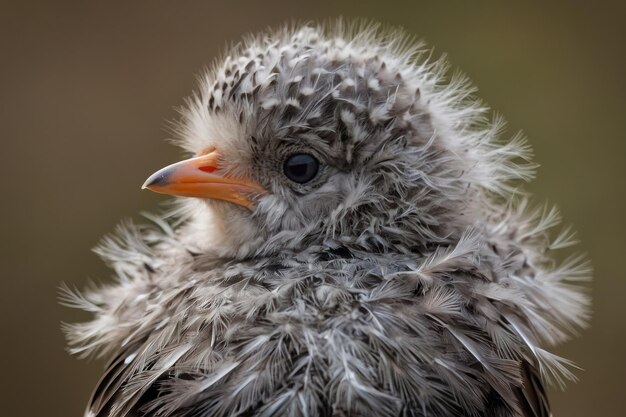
(316, 134)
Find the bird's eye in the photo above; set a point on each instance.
(301, 168)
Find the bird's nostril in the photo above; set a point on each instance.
(208, 168)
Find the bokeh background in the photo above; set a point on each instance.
(86, 89)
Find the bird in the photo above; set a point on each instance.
(349, 236)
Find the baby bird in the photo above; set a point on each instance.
(352, 241)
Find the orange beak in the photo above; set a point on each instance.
(196, 177)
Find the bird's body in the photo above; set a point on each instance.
(367, 256)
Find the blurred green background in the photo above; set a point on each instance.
(86, 88)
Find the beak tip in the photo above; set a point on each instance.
(158, 178)
(146, 185)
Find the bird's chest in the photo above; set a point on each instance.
(349, 330)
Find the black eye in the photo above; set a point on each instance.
(301, 168)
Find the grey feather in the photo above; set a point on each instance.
(409, 278)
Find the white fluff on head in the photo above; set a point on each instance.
(408, 278)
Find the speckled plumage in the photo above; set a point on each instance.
(410, 278)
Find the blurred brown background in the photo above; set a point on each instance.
(86, 88)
